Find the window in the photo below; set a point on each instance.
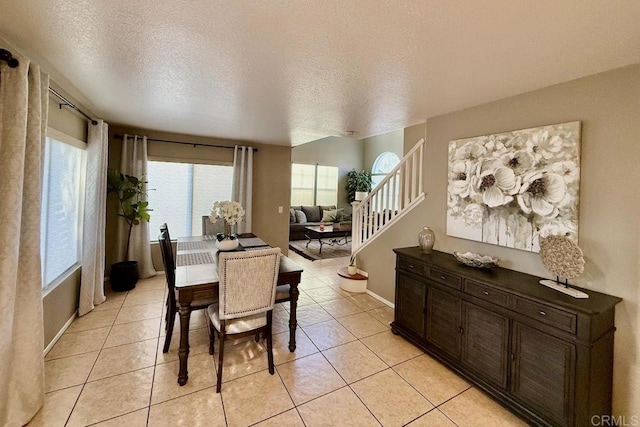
(314, 185)
(383, 164)
(61, 214)
(181, 193)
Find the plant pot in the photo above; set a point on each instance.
(227, 244)
(361, 195)
(124, 276)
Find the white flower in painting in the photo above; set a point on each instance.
(545, 147)
(469, 151)
(541, 193)
(474, 214)
(567, 169)
(496, 184)
(460, 178)
(520, 161)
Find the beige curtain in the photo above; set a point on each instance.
(23, 124)
(242, 185)
(134, 162)
(95, 211)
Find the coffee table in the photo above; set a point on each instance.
(328, 236)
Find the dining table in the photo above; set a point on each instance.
(197, 278)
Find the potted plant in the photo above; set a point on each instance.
(129, 191)
(352, 269)
(231, 212)
(358, 182)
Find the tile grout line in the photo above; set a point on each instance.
(94, 363)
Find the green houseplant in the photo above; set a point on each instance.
(357, 182)
(129, 191)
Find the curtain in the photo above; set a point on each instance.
(93, 230)
(23, 125)
(241, 189)
(134, 162)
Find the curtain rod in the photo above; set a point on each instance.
(12, 62)
(67, 103)
(5, 55)
(194, 144)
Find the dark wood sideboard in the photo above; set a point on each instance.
(545, 355)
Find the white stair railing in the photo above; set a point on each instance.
(397, 194)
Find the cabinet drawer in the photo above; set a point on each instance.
(486, 293)
(445, 278)
(412, 266)
(545, 314)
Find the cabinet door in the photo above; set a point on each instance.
(410, 301)
(543, 373)
(443, 320)
(485, 343)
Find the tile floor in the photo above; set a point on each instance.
(108, 369)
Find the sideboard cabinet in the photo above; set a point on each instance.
(545, 355)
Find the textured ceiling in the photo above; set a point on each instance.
(292, 71)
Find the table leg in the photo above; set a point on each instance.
(293, 322)
(183, 353)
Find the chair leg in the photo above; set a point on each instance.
(212, 336)
(269, 342)
(170, 322)
(166, 314)
(220, 356)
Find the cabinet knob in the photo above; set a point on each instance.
(542, 313)
(411, 266)
(461, 330)
(485, 292)
(442, 277)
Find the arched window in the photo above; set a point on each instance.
(383, 164)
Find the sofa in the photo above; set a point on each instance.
(312, 215)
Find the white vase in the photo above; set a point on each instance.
(227, 244)
(352, 270)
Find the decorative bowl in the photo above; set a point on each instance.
(476, 260)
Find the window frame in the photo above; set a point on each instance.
(315, 182)
(64, 138)
(375, 173)
(168, 159)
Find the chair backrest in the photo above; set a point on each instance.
(210, 229)
(247, 282)
(167, 258)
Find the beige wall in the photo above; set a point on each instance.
(413, 134)
(62, 302)
(608, 105)
(271, 181)
(345, 153)
(373, 146)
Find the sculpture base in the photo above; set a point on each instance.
(565, 290)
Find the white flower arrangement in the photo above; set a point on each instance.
(230, 212)
(522, 183)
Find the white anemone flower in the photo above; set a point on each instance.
(521, 161)
(545, 147)
(541, 192)
(460, 178)
(497, 185)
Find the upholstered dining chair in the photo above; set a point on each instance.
(247, 289)
(170, 273)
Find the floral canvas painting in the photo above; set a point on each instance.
(510, 188)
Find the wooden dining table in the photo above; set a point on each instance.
(197, 278)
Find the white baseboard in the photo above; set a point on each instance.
(382, 300)
(60, 333)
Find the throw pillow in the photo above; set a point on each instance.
(292, 216)
(312, 213)
(329, 216)
(301, 217)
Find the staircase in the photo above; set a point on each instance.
(398, 193)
